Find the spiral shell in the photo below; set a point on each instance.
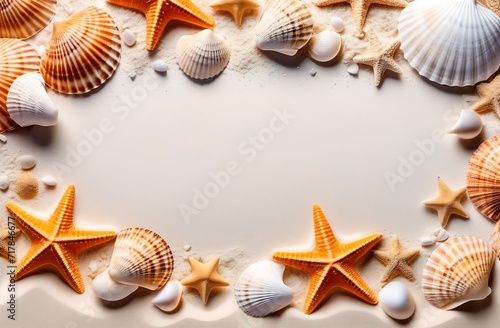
(24, 18)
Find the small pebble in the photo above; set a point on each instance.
(441, 235)
(397, 301)
(160, 66)
(128, 37)
(132, 75)
(4, 182)
(27, 162)
(337, 24)
(312, 72)
(353, 69)
(187, 248)
(3, 138)
(49, 181)
(93, 266)
(428, 240)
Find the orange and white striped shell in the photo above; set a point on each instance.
(495, 238)
(24, 18)
(457, 272)
(16, 58)
(141, 257)
(83, 52)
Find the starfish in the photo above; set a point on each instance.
(56, 242)
(7, 237)
(160, 12)
(330, 264)
(490, 96)
(236, 8)
(397, 260)
(379, 57)
(447, 202)
(360, 9)
(204, 277)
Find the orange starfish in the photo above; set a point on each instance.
(56, 242)
(330, 264)
(160, 12)
(237, 8)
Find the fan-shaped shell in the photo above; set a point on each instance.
(202, 55)
(141, 257)
(24, 18)
(83, 52)
(452, 42)
(483, 178)
(285, 27)
(16, 58)
(457, 272)
(260, 290)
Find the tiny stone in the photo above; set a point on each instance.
(337, 24)
(3, 138)
(132, 75)
(441, 235)
(49, 181)
(312, 72)
(428, 240)
(27, 162)
(160, 66)
(93, 266)
(4, 182)
(128, 37)
(187, 248)
(353, 69)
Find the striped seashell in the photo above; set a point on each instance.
(141, 257)
(285, 27)
(16, 58)
(24, 18)
(495, 238)
(83, 52)
(457, 272)
(483, 178)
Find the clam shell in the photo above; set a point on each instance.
(24, 18)
(285, 27)
(141, 257)
(29, 104)
(457, 272)
(483, 178)
(16, 58)
(83, 52)
(169, 298)
(260, 290)
(451, 42)
(202, 55)
(324, 46)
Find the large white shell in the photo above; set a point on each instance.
(451, 42)
(285, 27)
(260, 290)
(109, 290)
(203, 55)
(324, 46)
(28, 102)
(468, 126)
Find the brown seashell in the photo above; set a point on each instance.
(83, 53)
(24, 18)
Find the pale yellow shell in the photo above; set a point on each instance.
(24, 18)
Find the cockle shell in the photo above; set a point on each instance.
(169, 297)
(83, 52)
(109, 290)
(285, 26)
(483, 178)
(16, 58)
(24, 18)
(451, 42)
(141, 257)
(29, 104)
(324, 46)
(202, 55)
(260, 290)
(468, 126)
(457, 272)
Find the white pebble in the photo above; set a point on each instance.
(353, 69)
(441, 235)
(187, 248)
(312, 72)
(160, 66)
(49, 180)
(27, 162)
(169, 297)
(128, 37)
(324, 46)
(428, 240)
(3, 138)
(93, 266)
(4, 182)
(337, 24)
(397, 301)
(109, 290)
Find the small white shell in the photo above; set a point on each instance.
(441, 235)
(128, 37)
(109, 290)
(337, 24)
(169, 297)
(159, 66)
(324, 46)
(27, 162)
(4, 182)
(49, 180)
(352, 69)
(468, 126)
(397, 301)
(428, 240)
(3, 138)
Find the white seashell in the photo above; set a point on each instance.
(28, 102)
(49, 180)
(452, 42)
(260, 290)
(128, 37)
(109, 290)
(3, 138)
(428, 240)
(468, 126)
(397, 301)
(4, 182)
(337, 24)
(441, 235)
(169, 297)
(324, 46)
(285, 27)
(352, 69)
(159, 66)
(27, 162)
(203, 55)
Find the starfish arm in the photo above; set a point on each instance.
(323, 3)
(66, 264)
(307, 262)
(383, 256)
(32, 261)
(78, 241)
(482, 105)
(324, 238)
(320, 286)
(406, 271)
(391, 271)
(459, 210)
(392, 3)
(31, 226)
(63, 215)
(359, 13)
(360, 247)
(133, 4)
(352, 282)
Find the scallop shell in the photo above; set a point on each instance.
(83, 52)
(260, 290)
(16, 58)
(24, 18)
(457, 272)
(29, 104)
(285, 27)
(452, 42)
(483, 178)
(202, 55)
(495, 236)
(141, 257)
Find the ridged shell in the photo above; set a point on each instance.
(141, 257)
(83, 52)
(16, 58)
(451, 42)
(24, 18)
(495, 238)
(260, 290)
(483, 178)
(202, 55)
(28, 102)
(285, 26)
(457, 272)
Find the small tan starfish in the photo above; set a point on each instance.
(204, 277)
(447, 202)
(379, 57)
(237, 8)
(490, 96)
(7, 237)
(397, 261)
